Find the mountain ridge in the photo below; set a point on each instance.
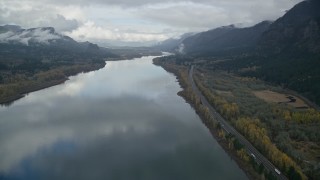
(224, 39)
(45, 39)
(172, 44)
(297, 30)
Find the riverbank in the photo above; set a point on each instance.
(11, 92)
(181, 73)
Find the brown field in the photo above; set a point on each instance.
(274, 97)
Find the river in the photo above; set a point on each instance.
(124, 121)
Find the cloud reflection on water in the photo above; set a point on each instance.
(119, 122)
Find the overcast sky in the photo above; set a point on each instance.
(138, 20)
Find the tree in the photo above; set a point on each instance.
(293, 174)
(261, 168)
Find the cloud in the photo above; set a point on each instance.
(195, 16)
(139, 20)
(30, 14)
(187, 15)
(61, 24)
(139, 3)
(91, 31)
(38, 35)
(43, 35)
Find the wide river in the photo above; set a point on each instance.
(124, 122)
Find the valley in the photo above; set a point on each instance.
(160, 90)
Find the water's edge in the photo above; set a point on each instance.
(6, 101)
(251, 174)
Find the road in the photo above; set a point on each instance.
(229, 129)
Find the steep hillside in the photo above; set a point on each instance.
(44, 41)
(172, 44)
(224, 39)
(291, 50)
(298, 30)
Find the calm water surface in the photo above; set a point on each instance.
(124, 121)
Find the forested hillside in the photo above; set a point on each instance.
(285, 52)
(224, 40)
(31, 59)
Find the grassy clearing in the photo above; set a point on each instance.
(275, 97)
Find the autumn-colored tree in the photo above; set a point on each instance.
(251, 128)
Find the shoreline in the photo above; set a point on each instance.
(245, 167)
(7, 101)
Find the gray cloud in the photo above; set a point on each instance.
(139, 20)
(137, 3)
(32, 14)
(38, 35)
(211, 14)
(61, 23)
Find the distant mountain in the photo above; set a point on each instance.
(122, 44)
(224, 39)
(298, 30)
(6, 28)
(36, 58)
(15, 35)
(46, 40)
(172, 44)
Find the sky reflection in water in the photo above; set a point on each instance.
(124, 121)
